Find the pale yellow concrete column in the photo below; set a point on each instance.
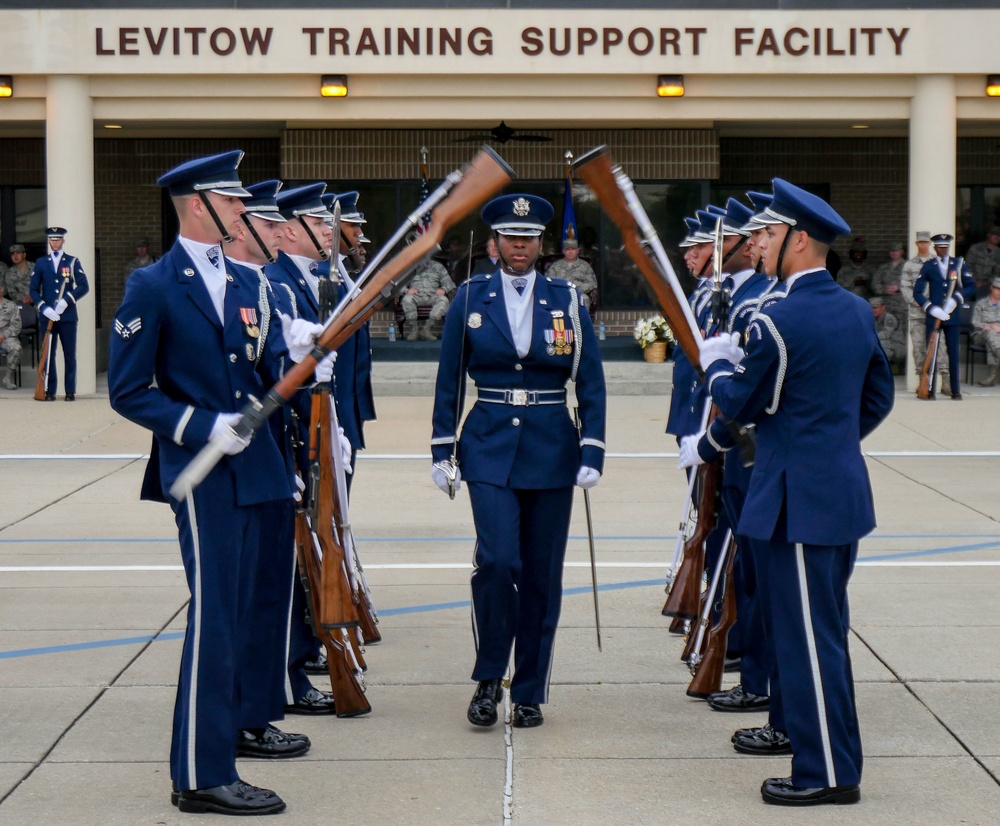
(933, 162)
(69, 168)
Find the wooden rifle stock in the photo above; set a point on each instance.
(595, 170)
(486, 175)
(43, 358)
(335, 613)
(684, 599)
(708, 676)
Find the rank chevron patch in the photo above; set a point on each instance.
(126, 331)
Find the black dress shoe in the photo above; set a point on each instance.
(764, 740)
(50, 397)
(954, 397)
(780, 792)
(271, 743)
(313, 701)
(527, 715)
(71, 397)
(483, 708)
(237, 798)
(317, 666)
(738, 699)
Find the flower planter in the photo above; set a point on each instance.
(656, 353)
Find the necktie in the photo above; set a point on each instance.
(520, 284)
(213, 256)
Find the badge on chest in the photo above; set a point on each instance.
(559, 340)
(249, 317)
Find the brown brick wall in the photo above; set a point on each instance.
(388, 154)
(22, 162)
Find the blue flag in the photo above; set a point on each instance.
(569, 214)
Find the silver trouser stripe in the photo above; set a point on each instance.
(183, 423)
(807, 625)
(521, 398)
(192, 699)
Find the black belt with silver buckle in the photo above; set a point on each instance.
(521, 398)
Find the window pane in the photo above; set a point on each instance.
(30, 210)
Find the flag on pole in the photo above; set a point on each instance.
(569, 214)
(425, 190)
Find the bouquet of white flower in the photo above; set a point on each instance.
(650, 330)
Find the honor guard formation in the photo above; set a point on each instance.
(245, 350)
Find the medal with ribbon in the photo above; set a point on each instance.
(249, 318)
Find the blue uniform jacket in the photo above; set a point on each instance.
(815, 381)
(46, 282)
(291, 292)
(520, 447)
(931, 287)
(174, 367)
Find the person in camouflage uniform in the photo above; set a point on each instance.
(885, 284)
(574, 269)
(986, 330)
(891, 334)
(17, 279)
(916, 320)
(856, 275)
(10, 329)
(143, 258)
(984, 258)
(428, 288)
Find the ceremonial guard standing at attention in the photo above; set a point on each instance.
(186, 355)
(931, 292)
(815, 381)
(57, 283)
(520, 337)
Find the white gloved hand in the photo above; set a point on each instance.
(345, 450)
(50, 314)
(225, 437)
(938, 313)
(441, 473)
(724, 346)
(587, 477)
(299, 336)
(324, 369)
(300, 488)
(949, 306)
(61, 306)
(689, 456)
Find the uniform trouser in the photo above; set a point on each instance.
(991, 341)
(806, 589)
(755, 668)
(918, 338)
(265, 702)
(952, 334)
(517, 583)
(65, 333)
(438, 305)
(220, 544)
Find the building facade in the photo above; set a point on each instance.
(882, 110)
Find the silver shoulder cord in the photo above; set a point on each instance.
(574, 317)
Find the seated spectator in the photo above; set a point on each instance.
(984, 259)
(142, 257)
(856, 276)
(10, 343)
(886, 283)
(574, 269)
(491, 262)
(429, 287)
(891, 333)
(17, 279)
(986, 330)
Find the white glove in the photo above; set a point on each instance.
(723, 346)
(324, 369)
(345, 450)
(300, 488)
(50, 314)
(587, 477)
(299, 336)
(225, 437)
(61, 306)
(441, 473)
(949, 306)
(689, 456)
(938, 313)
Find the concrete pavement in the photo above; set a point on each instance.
(92, 604)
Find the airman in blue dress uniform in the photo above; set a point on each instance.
(59, 272)
(521, 337)
(930, 291)
(815, 381)
(185, 356)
